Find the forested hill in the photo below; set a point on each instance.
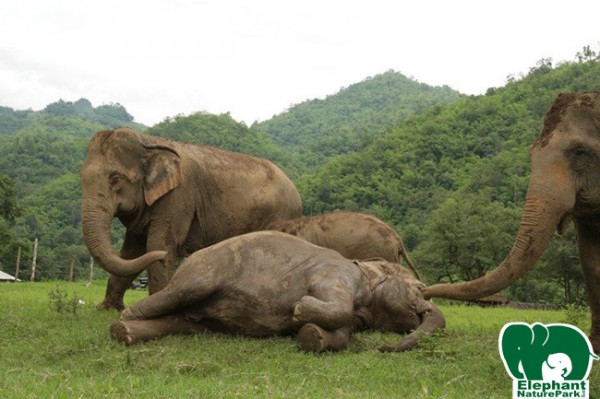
(84, 119)
(453, 181)
(38, 146)
(224, 132)
(475, 143)
(316, 130)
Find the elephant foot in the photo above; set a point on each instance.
(311, 338)
(131, 332)
(107, 304)
(127, 314)
(121, 332)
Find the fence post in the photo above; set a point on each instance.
(18, 267)
(71, 269)
(33, 262)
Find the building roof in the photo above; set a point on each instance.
(6, 276)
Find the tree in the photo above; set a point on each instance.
(465, 237)
(560, 264)
(9, 211)
(587, 54)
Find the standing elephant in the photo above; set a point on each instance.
(564, 187)
(354, 235)
(538, 352)
(266, 283)
(173, 198)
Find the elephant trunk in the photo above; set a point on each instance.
(550, 196)
(433, 321)
(96, 219)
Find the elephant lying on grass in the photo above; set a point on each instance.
(352, 234)
(271, 283)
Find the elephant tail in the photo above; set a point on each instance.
(402, 253)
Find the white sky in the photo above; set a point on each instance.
(255, 58)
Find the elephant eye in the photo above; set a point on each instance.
(580, 152)
(581, 157)
(114, 178)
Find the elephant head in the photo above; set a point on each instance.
(399, 306)
(124, 173)
(565, 171)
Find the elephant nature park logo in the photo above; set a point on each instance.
(546, 361)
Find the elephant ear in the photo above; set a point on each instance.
(163, 172)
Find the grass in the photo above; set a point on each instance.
(50, 354)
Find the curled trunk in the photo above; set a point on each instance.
(433, 321)
(96, 223)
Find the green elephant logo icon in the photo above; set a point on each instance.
(558, 352)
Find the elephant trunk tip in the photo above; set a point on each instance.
(124, 268)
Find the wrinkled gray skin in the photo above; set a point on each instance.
(267, 283)
(354, 235)
(174, 199)
(564, 187)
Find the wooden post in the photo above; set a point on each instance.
(33, 262)
(18, 267)
(71, 269)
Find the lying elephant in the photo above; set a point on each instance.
(267, 283)
(352, 234)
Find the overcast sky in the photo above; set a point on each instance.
(255, 58)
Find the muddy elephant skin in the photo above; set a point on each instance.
(564, 187)
(271, 283)
(354, 235)
(173, 198)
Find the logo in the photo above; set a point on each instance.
(546, 361)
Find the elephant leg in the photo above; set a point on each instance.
(135, 331)
(115, 291)
(161, 238)
(589, 253)
(312, 338)
(133, 246)
(182, 291)
(329, 306)
(160, 273)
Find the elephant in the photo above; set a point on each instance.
(354, 235)
(555, 352)
(173, 198)
(269, 283)
(564, 187)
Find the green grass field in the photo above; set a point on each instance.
(48, 354)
